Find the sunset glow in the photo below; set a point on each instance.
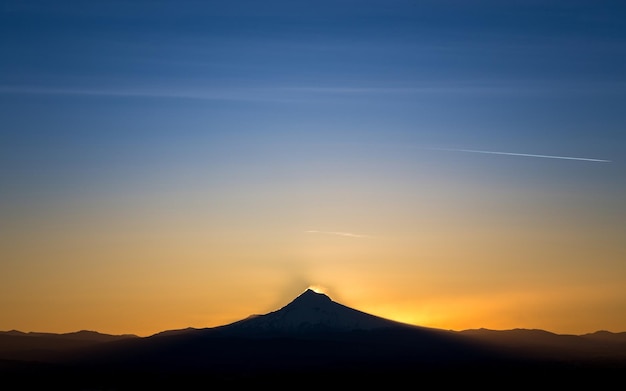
(189, 164)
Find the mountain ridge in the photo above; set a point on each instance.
(305, 296)
(314, 336)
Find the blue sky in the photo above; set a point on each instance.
(223, 118)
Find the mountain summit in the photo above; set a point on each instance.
(312, 311)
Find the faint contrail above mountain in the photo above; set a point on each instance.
(347, 234)
(523, 154)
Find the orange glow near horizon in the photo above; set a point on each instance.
(546, 309)
(136, 284)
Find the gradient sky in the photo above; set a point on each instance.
(172, 164)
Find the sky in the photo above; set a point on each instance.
(450, 164)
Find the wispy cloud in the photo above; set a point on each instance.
(290, 93)
(233, 94)
(346, 234)
(586, 159)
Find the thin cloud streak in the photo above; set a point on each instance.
(238, 93)
(346, 234)
(234, 94)
(288, 93)
(523, 154)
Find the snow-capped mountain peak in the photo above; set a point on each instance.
(312, 311)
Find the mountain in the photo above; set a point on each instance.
(312, 331)
(314, 340)
(311, 312)
(82, 335)
(578, 351)
(39, 346)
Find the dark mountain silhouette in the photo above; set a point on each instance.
(311, 312)
(314, 340)
(595, 349)
(33, 346)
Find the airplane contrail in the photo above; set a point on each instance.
(347, 234)
(523, 154)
